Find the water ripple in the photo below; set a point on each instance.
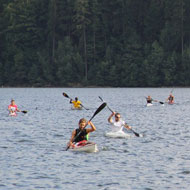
(32, 145)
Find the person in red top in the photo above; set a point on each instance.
(13, 108)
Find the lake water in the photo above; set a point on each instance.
(32, 145)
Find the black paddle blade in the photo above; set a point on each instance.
(101, 98)
(161, 102)
(67, 148)
(24, 111)
(136, 134)
(102, 106)
(64, 94)
(107, 105)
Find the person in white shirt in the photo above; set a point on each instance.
(118, 124)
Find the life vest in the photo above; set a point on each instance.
(171, 98)
(82, 136)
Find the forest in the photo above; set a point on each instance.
(90, 43)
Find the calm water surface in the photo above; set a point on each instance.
(32, 145)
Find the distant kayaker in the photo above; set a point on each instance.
(76, 103)
(149, 100)
(118, 124)
(170, 99)
(13, 108)
(81, 134)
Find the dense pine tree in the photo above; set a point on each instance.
(125, 43)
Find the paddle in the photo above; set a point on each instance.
(156, 101)
(136, 134)
(100, 108)
(172, 90)
(24, 111)
(64, 94)
(84, 107)
(160, 102)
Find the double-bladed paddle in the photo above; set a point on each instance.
(100, 108)
(159, 101)
(64, 94)
(156, 101)
(136, 134)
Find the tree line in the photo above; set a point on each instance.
(119, 43)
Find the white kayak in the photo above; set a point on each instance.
(119, 134)
(73, 108)
(149, 104)
(87, 147)
(12, 114)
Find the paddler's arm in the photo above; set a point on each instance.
(18, 110)
(9, 108)
(71, 101)
(72, 138)
(93, 128)
(127, 126)
(110, 117)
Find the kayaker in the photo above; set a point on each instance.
(76, 103)
(170, 99)
(149, 100)
(118, 124)
(13, 108)
(81, 134)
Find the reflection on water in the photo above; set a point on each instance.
(32, 145)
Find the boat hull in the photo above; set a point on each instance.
(73, 108)
(88, 147)
(13, 114)
(149, 104)
(119, 134)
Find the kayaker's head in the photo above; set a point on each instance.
(82, 123)
(76, 99)
(12, 102)
(117, 116)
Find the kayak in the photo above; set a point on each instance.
(84, 146)
(73, 108)
(12, 114)
(119, 134)
(149, 104)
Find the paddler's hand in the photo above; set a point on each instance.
(69, 144)
(113, 113)
(89, 123)
(128, 127)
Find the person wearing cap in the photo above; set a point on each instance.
(76, 103)
(80, 135)
(13, 108)
(118, 124)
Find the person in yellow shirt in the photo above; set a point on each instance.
(76, 103)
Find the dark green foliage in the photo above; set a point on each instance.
(119, 43)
